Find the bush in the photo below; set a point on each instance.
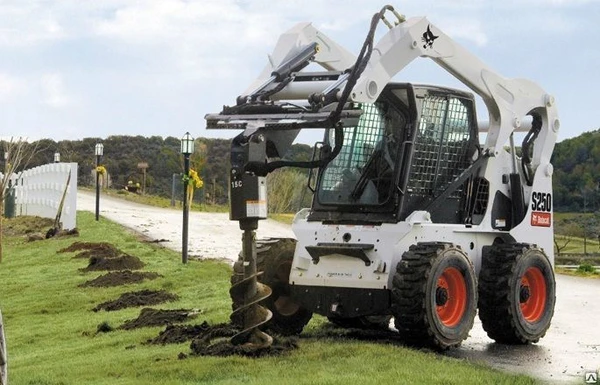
(586, 268)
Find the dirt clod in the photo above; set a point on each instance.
(104, 327)
(124, 262)
(117, 278)
(138, 298)
(156, 317)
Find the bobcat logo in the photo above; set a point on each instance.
(428, 38)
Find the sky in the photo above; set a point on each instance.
(72, 69)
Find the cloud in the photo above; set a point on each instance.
(9, 87)
(26, 24)
(53, 90)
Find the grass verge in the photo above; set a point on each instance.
(157, 201)
(52, 340)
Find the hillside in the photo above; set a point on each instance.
(576, 164)
(123, 153)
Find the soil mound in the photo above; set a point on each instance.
(76, 246)
(175, 334)
(138, 298)
(104, 252)
(124, 262)
(23, 225)
(156, 317)
(117, 278)
(215, 341)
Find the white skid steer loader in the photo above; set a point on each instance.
(411, 217)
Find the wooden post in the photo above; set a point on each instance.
(143, 166)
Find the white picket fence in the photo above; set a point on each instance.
(38, 191)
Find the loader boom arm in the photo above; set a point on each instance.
(508, 100)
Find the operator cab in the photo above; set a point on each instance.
(405, 154)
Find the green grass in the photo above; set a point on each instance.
(52, 340)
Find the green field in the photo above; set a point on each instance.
(52, 333)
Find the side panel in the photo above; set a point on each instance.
(538, 227)
(389, 242)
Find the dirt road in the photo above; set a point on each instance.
(571, 347)
(211, 235)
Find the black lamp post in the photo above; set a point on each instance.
(187, 148)
(56, 157)
(99, 152)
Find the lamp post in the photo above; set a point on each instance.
(187, 148)
(56, 157)
(99, 151)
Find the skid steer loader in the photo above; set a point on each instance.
(411, 217)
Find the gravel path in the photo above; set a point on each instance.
(211, 235)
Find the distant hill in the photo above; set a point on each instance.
(576, 181)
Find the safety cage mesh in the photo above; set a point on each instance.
(359, 144)
(441, 146)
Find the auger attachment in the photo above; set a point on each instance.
(246, 293)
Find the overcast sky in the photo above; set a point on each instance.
(71, 69)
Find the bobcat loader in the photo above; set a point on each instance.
(411, 217)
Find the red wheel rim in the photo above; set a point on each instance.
(451, 297)
(532, 294)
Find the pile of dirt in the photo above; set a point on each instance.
(98, 246)
(175, 334)
(138, 298)
(124, 262)
(156, 317)
(23, 225)
(117, 278)
(215, 341)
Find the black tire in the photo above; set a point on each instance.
(517, 293)
(274, 261)
(377, 322)
(434, 295)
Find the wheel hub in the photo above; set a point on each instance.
(524, 294)
(441, 296)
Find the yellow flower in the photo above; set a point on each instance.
(101, 170)
(195, 180)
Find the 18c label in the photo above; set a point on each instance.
(541, 201)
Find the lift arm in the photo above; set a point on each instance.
(508, 100)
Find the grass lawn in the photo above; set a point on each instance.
(51, 330)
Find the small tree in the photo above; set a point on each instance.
(560, 247)
(17, 154)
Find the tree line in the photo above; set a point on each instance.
(123, 154)
(576, 179)
(576, 164)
